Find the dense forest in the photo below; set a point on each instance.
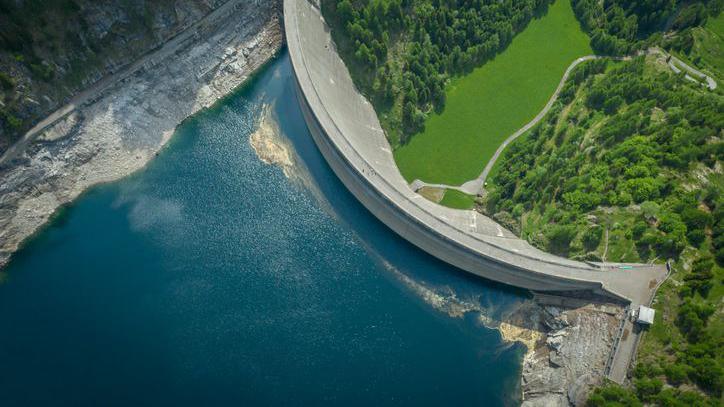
(630, 141)
(405, 50)
(627, 167)
(619, 27)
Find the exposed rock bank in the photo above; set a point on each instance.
(569, 356)
(568, 341)
(51, 50)
(130, 121)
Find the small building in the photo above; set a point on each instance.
(645, 316)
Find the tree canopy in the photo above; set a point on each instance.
(405, 50)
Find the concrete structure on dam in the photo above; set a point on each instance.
(346, 130)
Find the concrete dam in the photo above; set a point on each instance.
(347, 131)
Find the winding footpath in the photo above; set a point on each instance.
(347, 132)
(477, 186)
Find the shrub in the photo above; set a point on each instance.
(6, 81)
(42, 71)
(592, 237)
(611, 105)
(644, 370)
(695, 218)
(677, 398)
(692, 319)
(638, 229)
(646, 389)
(720, 255)
(12, 123)
(696, 237)
(560, 237)
(705, 370)
(612, 395)
(676, 373)
(642, 189)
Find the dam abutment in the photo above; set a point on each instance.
(347, 132)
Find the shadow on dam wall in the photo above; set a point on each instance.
(346, 130)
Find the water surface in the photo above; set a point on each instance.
(211, 278)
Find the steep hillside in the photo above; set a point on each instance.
(702, 46)
(618, 27)
(51, 49)
(628, 167)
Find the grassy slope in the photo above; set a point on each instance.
(707, 53)
(492, 102)
(457, 200)
(710, 45)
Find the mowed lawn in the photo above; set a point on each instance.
(489, 104)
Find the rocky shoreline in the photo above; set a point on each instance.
(127, 124)
(569, 358)
(568, 341)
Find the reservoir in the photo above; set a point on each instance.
(211, 277)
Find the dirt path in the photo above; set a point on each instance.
(122, 127)
(479, 182)
(475, 186)
(96, 90)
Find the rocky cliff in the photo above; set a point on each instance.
(121, 125)
(570, 355)
(52, 49)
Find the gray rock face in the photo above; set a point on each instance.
(571, 359)
(82, 43)
(128, 122)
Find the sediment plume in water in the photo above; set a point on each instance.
(268, 144)
(515, 327)
(272, 147)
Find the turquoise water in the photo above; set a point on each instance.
(211, 278)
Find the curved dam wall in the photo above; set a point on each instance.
(346, 130)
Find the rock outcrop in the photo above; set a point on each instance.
(52, 50)
(570, 358)
(125, 125)
(568, 341)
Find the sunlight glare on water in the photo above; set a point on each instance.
(212, 278)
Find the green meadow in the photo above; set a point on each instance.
(494, 100)
(457, 200)
(707, 53)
